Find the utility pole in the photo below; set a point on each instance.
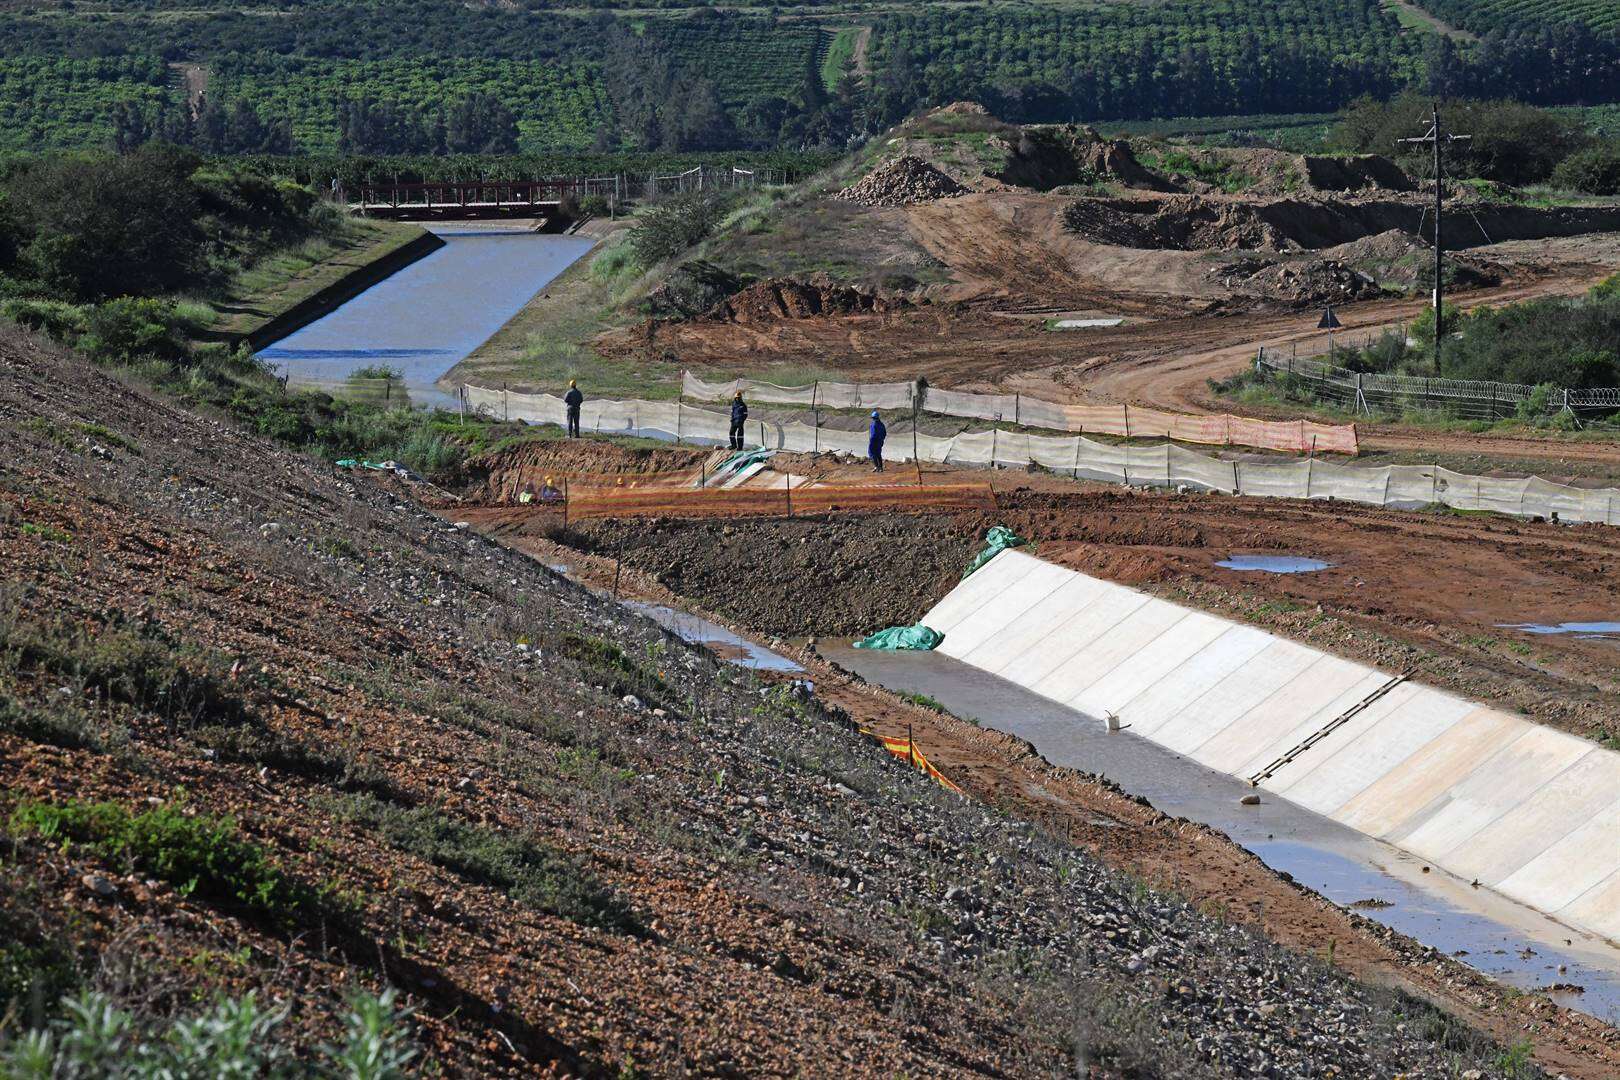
(1435, 138)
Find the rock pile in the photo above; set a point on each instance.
(902, 181)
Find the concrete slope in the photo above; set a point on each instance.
(1526, 810)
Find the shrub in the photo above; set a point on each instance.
(672, 227)
(130, 327)
(200, 856)
(61, 321)
(1595, 170)
(237, 1037)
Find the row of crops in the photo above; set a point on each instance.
(1183, 57)
(558, 105)
(55, 103)
(745, 59)
(1601, 17)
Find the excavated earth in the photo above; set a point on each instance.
(1405, 588)
(756, 889)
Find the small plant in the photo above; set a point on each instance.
(237, 1037)
(46, 532)
(200, 856)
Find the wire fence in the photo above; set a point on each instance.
(1298, 436)
(1366, 393)
(1163, 465)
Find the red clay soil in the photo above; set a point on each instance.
(1190, 859)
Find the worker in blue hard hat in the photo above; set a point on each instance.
(874, 444)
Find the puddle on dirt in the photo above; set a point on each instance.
(1274, 564)
(719, 640)
(1484, 929)
(1078, 324)
(1589, 631)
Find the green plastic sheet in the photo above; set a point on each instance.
(999, 539)
(903, 637)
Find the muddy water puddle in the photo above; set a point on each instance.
(1500, 938)
(717, 639)
(1273, 564)
(1586, 631)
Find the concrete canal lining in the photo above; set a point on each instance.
(1531, 812)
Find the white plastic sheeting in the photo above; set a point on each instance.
(1121, 420)
(1527, 810)
(1164, 465)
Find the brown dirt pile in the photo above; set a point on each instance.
(1187, 223)
(902, 181)
(501, 475)
(787, 298)
(1310, 281)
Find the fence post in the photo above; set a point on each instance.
(1127, 419)
(1237, 484)
(1017, 422)
(1310, 464)
(461, 401)
(678, 420)
(1077, 440)
(815, 413)
(789, 490)
(565, 503)
(388, 390)
(915, 460)
(993, 433)
(506, 412)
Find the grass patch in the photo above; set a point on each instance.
(534, 875)
(200, 856)
(918, 698)
(45, 532)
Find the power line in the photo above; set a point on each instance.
(1436, 139)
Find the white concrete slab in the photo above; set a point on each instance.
(1011, 603)
(1481, 793)
(1597, 909)
(1572, 866)
(1501, 782)
(1352, 758)
(1392, 801)
(978, 589)
(1276, 720)
(1098, 618)
(1313, 721)
(1234, 696)
(1553, 811)
(1195, 677)
(1140, 670)
(1046, 618)
(1109, 649)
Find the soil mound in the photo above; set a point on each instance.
(786, 298)
(1184, 224)
(1366, 172)
(1312, 281)
(501, 475)
(1046, 158)
(902, 181)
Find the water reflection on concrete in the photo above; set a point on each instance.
(739, 650)
(1501, 938)
(1274, 564)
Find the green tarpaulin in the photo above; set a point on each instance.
(903, 637)
(999, 539)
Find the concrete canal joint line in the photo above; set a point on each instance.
(1526, 810)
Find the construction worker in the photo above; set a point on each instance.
(573, 399)
(874, 444)
(739, 416)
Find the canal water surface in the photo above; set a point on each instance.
(430, 316)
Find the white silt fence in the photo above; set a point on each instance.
(1164, 465)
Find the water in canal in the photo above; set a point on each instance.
(428, 317)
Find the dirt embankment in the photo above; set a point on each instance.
(501, 475)
(787, 298)
(794, 578)
(1405, 588)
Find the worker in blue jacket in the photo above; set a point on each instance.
(874, 445)
(739, 416)
(573, 399)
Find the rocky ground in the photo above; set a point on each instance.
(578, 845)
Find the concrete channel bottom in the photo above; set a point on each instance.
(1497, 936)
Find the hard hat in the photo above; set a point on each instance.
(573, 382)
(738, 394)
(874, 414)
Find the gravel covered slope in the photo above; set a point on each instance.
(749, 886)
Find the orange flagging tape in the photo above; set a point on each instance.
(901, 746)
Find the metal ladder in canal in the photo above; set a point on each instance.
(1333, 725)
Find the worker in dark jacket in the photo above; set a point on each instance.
(739, 416)
(573, 399)
(874, 445)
